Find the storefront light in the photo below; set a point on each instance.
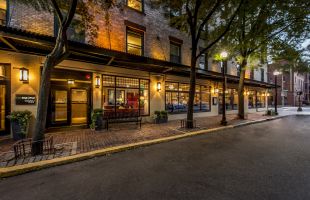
(71, 82)
(158, 86)
(24, 75)
(97, 81)
(216, 91)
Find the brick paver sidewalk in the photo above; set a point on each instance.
(84, 140)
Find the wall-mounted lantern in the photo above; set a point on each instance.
(158, 86)
(24, 75)
(97, 82)
(70, 82)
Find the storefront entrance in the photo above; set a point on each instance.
(70, 102)
(4, 98)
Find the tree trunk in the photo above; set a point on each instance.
(192, 90)
(54, 58)
(241, 113)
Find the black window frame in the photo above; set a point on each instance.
(172, 59)
(56, 23)
(262, 74)
(137, 32)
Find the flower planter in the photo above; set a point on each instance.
(17, 132)
(100, 123)
(161, 120)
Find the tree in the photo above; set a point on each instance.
(64, 12)
(200, 18)
(260, 22)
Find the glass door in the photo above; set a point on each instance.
(79, 106)
(59, 107)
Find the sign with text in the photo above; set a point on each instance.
(25, 99)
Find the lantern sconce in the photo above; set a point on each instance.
(216, 91)
(71, 82)
(97, 81)
(24, 75)
(158, 86)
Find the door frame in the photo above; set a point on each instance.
(7, 82)
(66, 87)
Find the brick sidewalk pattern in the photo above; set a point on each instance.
(85, 140)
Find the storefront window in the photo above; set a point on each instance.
(125, 95)
(231, 99)
(2, 12)
(261, 100)
(252, 99)
(177, 96)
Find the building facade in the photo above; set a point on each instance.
(291, 84)
(138, 63)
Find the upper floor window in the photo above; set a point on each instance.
(76, 31)
(3, 8)
(175, 52)
(134, 42)
(135, 4)
(262, 74)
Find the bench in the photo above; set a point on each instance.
(122, 117)
(22, 148)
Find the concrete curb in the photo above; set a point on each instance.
(21, 169)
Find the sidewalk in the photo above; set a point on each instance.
(75, 142)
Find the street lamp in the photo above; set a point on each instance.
(224, 56)
(299, 101)
(276, 73)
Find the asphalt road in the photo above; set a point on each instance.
(264, 161)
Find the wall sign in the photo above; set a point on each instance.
(25, 99)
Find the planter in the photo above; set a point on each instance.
(161, 120)
(100, 123)
(17, 131)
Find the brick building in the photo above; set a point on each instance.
(291, 83)
(137, 64)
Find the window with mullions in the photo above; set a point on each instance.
(252, 99)
(76, 31)
(177, 95)
(135, 41)
(135, 4)
(123, 95)
(3, 9)
(175, 52)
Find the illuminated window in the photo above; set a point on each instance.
(134, 42)
(135, 4)
(175, 52)
(3, 12)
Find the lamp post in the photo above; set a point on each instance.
(299, 101)
(224, 56)
(276, 73)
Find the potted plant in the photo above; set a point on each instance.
(20, 123)
(157, 117)
(97, 122)
(164, 116)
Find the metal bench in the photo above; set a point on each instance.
(123, 117)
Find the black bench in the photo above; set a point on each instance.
(123, 117)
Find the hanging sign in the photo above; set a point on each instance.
(25, 99)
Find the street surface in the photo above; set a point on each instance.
(269, 160)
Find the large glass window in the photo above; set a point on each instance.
(231, 99)
(261, 100)
(134, 42)
(125, 95)
(135, 4)
(3, 12)
(252, 99)
(175, 52)
(177, 95)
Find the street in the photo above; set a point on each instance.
(270, 160)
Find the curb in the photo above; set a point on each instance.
(21, 169)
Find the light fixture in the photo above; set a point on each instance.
(97, 81)
(268, 94)
(224, 54)
(216, 90)
(158, 86)
(70, 81)
(276, 73)
(24, 75)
